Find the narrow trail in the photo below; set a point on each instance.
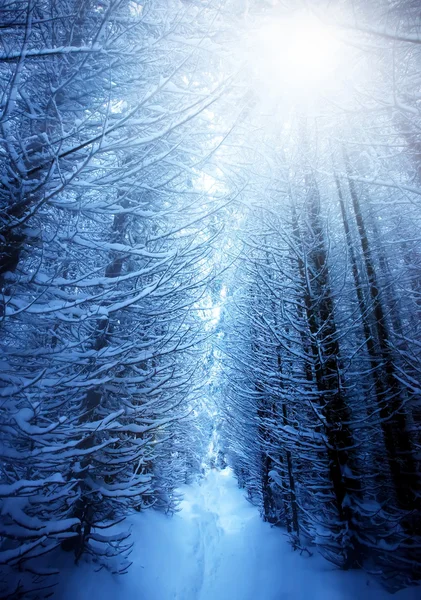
(218, 548)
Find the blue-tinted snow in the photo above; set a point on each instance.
(218, 548)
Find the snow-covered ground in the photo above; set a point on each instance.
(218, 548)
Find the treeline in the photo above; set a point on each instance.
(322, 322)
(122, 141)
(105, 245)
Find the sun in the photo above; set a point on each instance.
(293, 55)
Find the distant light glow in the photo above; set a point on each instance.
(216, 313)
(293, 54)
(206, 182)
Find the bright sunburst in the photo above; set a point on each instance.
(295, 54)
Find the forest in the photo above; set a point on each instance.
(209, 230)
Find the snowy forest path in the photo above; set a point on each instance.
(217, 548)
